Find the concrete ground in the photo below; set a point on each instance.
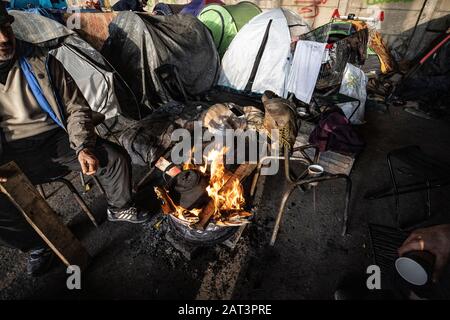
(308, 260)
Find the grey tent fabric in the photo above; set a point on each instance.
(140, 43)
(428, 81)
(98, 81)
(36, 29)
(102, 99)
(148, 139)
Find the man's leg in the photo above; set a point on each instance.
(33, 157)
(15, 231)
(114, 172)
(49, 155)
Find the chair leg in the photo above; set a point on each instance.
(260, 164)
(256, 178)
(83, 182)
(428, 198)
(144, 180)
(78, 198)
(99, 185)
(41, 191)
(348, 191)
(258, 173)
(284, 200)
(302, 149)
(356, 109)
(394, 184)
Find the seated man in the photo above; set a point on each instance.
(46, 128)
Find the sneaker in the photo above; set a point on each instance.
(131, 214)
(39, 261)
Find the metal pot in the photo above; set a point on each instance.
(188, 189)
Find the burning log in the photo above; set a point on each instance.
(243, 171)
(234, 218)
(224, 193)
(167, 204)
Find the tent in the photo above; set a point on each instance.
(224, 22)
(87, 66)
(429, 78)
(47, 4)
(195, 6)
(165, 9)
(258, 58)
(434, 60)
(163, 58)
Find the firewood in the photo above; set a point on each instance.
(243, 171)
(167, 205)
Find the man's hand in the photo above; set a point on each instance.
(434, 239)
(89, 162)
(3, 179)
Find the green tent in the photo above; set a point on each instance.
(224, 22)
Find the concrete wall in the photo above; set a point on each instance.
(401, 17)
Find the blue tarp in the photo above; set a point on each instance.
(47, 4)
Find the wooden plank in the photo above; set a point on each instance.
(243, 171)
(41, 217)
(167, 204)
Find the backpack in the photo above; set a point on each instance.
(335, 133)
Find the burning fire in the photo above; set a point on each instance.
(224, 189)
(225, 199)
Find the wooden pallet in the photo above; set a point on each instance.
(331, 161)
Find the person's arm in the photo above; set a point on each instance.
(434, 239)
(80, 127)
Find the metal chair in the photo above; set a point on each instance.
(303, 180)
(329, 99)
(427, 172)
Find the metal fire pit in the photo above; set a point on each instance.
(212, 234)
(190, 191)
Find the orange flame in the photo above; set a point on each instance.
(228, 203)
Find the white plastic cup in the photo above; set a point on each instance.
(315, 171)
(416, 267)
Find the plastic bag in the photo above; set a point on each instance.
(354, 84)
